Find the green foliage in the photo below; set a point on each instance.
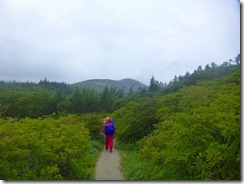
(210, 72)
(44, 86)
(111, 99)
(26, 104)
(154, 85)
(46, 98)
(84, 101)
(107, 99)
(46, 149)
(132, 166)
(135, 119)
(94, 123)
(201, 139)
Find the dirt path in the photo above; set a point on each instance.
(108, 166)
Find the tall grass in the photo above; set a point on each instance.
(132, 167)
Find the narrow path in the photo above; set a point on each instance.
(108, 166)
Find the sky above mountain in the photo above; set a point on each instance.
(76, 40)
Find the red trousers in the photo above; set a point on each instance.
(109, 139)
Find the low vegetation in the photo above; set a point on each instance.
(188, 129)
(46, 149)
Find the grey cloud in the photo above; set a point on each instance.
(71, 41)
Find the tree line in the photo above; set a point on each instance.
(20, 99)
(33, 100)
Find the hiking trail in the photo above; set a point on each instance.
(108, 166)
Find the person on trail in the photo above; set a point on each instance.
(109, 130)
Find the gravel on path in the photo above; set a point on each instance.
(108, 166)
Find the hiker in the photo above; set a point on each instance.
(109, 130)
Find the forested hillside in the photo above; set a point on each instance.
(19, 99)
(188, 129)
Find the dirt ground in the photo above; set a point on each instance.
(108, 166)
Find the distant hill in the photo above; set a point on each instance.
(99, 84)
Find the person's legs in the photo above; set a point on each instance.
(110, 144)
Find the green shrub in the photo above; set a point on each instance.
(45, 149)
(202, 142)
(135, 119)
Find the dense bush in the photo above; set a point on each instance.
(94, 123)
(202, 140)
(136, 119)
(197, 136)
(45, 149)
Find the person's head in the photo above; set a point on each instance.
(108, 121)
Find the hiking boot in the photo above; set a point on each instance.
(110, 151)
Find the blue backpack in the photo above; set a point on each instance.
(109, 129)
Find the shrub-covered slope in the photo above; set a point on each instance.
(196, 135)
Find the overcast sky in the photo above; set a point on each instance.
(75, 40)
